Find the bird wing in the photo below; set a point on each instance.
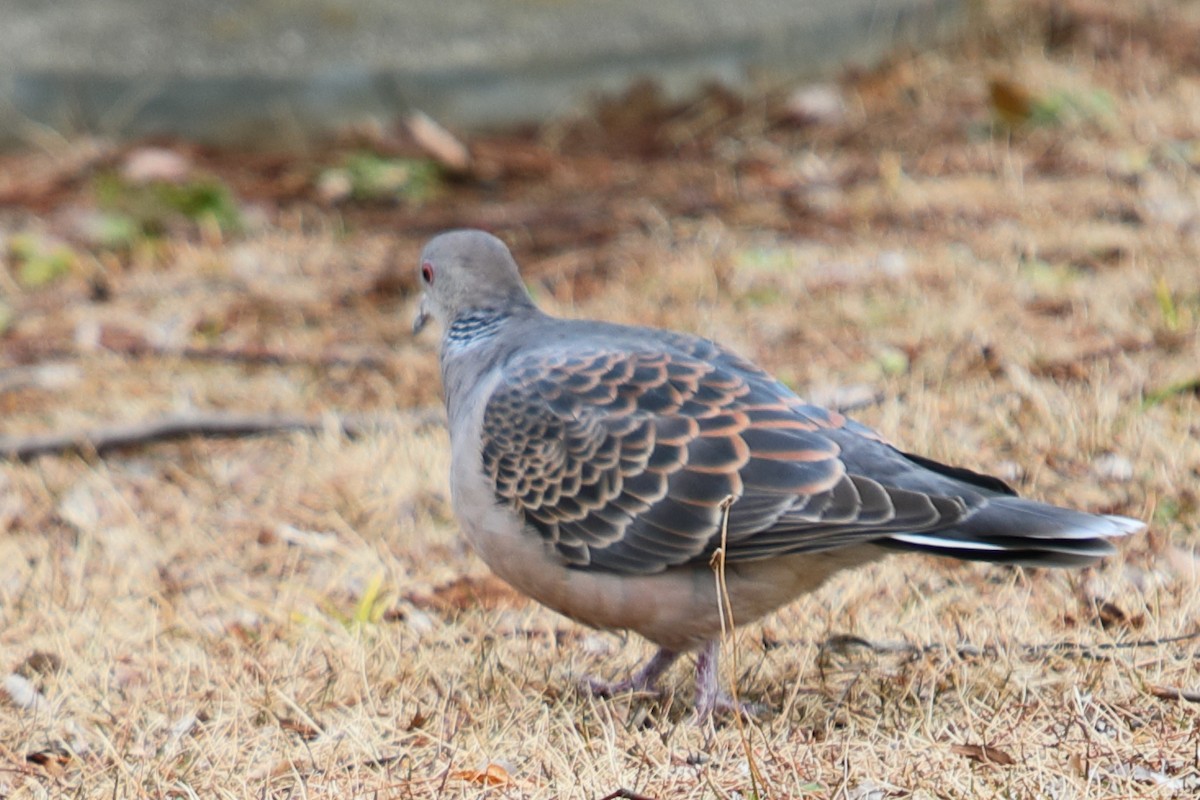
(623, 459)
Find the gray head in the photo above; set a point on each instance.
(466, 270)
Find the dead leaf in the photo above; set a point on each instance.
(984, 754)
(443, 146)
(155, 164)
(511, 157)
(50, 757)
(486, 592)
(492, 775)
(1011, 101)
(39, 663)
(302, 729)
(1111, 615)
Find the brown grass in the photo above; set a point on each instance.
(298, 617)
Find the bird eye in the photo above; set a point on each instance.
(427, 273)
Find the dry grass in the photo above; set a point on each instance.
(298, 617)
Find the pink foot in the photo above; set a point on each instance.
(710, 698)
(644, 680)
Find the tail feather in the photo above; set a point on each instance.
(1009, 530)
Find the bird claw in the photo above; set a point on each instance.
(711, 700)
(644, 681)
(723, 705)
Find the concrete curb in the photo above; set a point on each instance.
(271, 72)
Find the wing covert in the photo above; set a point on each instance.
(621, 459)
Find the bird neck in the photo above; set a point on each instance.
(473, 326)
(476, 341)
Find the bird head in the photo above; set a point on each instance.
(467, 270)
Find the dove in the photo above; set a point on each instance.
(603, 469)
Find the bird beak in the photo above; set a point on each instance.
(422, 318)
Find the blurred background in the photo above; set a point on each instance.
(285, 73)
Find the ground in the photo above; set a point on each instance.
(991, 246)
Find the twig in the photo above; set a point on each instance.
(203, 424)
(625, 794)
(1174, 693)
(1090, 649)
(258, 356)
(728, 631)
(967, 650)
(271, 357)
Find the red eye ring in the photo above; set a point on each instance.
(427, 273)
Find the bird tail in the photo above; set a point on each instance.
(1009, 530)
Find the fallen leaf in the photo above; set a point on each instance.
(39, 662)
(53, 756)
(512, 157)
(486, 592)
(1110, 615)
(441, 144)
(984, 754)
(302, 729)
(492, 775)
(150, 164)
(1011, 101)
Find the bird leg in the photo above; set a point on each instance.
(644, 680)
(710, 697)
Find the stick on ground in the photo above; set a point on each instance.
(207, 424)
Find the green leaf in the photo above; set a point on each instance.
(116, 231)
(372, 605)
(39, 262)
(375, 178)
(1189, 386)
(150, 208)
(892, 360)
(1166, 304)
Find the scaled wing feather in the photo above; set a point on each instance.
(622, 458)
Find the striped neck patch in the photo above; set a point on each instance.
(474, 326)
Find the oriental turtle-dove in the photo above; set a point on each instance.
(597, 468)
